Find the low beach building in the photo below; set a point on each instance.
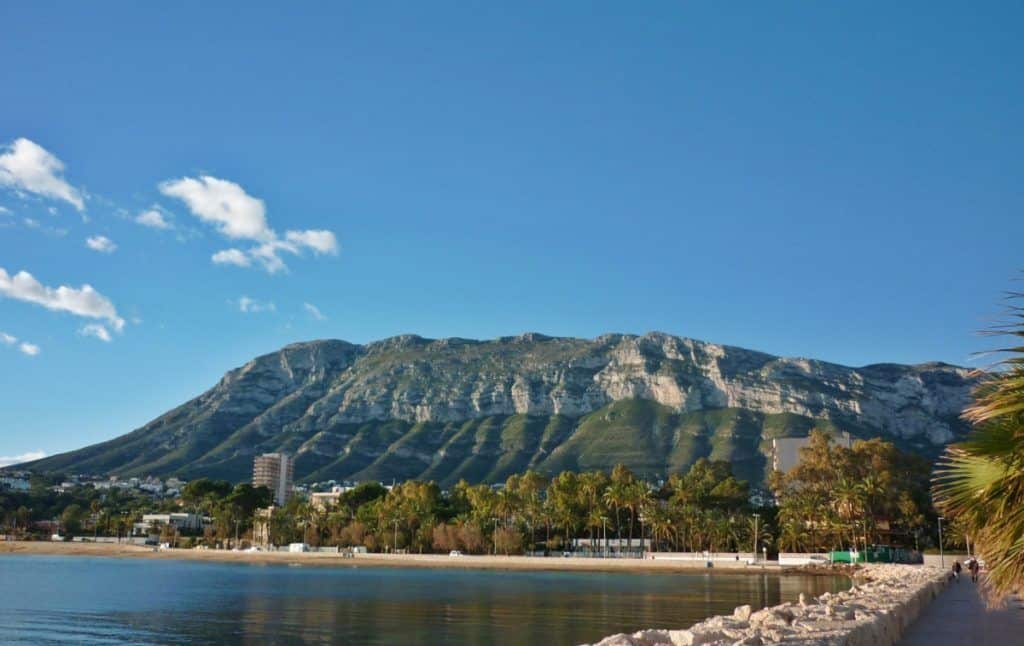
(181, 522)
(611, 546)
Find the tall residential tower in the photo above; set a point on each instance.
(274, 471)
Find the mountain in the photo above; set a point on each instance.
(410, 407)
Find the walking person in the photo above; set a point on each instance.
(974, 567)
(956, 570)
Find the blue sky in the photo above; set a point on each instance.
(808, 179)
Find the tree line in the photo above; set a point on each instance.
(835, 498)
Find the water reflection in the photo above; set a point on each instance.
(107, 601)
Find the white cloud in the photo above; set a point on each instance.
(27, 166)
(153, 219)
(6, 461)
(319, 241)
(84, 301)
(239, 216)
(97, 330)
(314, 311)
(4, 210)
(251, 306)
(224, 204)
(231, 257)
(24, 347)
(101, 244)
(267, 256)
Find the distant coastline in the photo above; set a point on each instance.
(314, 559)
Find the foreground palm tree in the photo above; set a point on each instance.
(980, 483)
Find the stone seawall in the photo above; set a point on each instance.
(876, 611)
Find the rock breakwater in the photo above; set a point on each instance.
(875, 611)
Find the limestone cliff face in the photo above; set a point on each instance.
(343, 407)
(418, 380)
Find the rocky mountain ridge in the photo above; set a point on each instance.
(410, 407)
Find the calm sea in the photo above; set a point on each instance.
(63, 600)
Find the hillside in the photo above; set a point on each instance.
(409, 407)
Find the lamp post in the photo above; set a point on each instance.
(757, 517)
(494, 536)
(867, 558)
(604, 534)
(396, 536)
(236, 534)
(642, 550)
(942, 556)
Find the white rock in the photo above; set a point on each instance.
(877, 611)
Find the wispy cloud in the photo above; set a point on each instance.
(102, 244)
(96, 330)
(314, 312)
(27, 166)
(239, 216)
(83, 301)
(153, 219)
(235, 257)
(24, 347)
(8, 460)
(251, 305)
(32, 223)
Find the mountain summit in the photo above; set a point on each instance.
(410, 407)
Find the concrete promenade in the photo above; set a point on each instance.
(959, 616)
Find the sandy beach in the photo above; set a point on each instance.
(113, 550)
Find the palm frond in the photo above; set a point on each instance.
(980, 482)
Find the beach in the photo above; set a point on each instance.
(326, 559)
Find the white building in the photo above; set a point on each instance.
(274, 471)
(325, 499)
(786, 450)
(180, 521)
(14, 484)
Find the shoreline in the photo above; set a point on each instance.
(878, 610)
(466, 562)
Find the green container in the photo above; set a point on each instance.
(874, 554)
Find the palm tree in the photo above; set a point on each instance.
(595, 519)
(849, 502)
(616, 496)
(95, 507)
(592, 483)
(659, 522)
(791, 536)
(980, 482)
(871, 489)
(507, 505)
(638, 497)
